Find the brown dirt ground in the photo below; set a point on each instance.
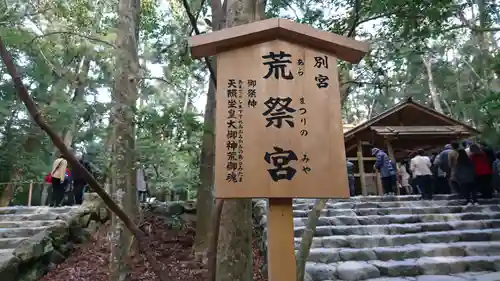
(172, 248)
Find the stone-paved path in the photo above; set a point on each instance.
(402, 238)
(19, 223)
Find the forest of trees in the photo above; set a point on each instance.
(116, 80)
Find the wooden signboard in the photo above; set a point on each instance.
(279, 130)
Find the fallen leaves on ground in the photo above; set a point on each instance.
(172, 249)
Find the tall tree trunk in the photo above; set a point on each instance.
(481, 37)
(78, 98)
(436, 102)
(8, 192)
(205, 201)
(234, 256)
(124, 98)
(460, 96)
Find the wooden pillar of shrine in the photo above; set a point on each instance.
(361, 168)
(380, 189)
(390, 152)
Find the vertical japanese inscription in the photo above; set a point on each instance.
(234, 134)
(303, 132)
(240, 130)
(251, 93)
(279, 112)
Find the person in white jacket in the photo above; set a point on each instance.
(405, 178)
(58, 174)
(420, 166)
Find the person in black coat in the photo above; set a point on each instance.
(464, 175)
(79, 182)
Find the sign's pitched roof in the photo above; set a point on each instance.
(209, 44)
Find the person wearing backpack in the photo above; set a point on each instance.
(387, 170)
(79, 182)
(58, 175)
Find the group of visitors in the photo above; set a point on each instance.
(72, 183)
(64, 182)
(463, 168)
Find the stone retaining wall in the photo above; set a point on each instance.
(36, 255)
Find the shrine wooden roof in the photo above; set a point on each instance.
(418, 120)
(420, 130)
(209, 44)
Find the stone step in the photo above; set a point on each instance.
(398, 219)
(456, 249)
(363, 270)
(371, 241)
(27, 224)
(401, 211)
(35, 210)
(11, 243)
(393, 204)
(20, 232)
(468, 276)
(33, 217)
(394, 229)
(6, 252)
(386, 198)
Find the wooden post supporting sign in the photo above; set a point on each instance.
(279, 131)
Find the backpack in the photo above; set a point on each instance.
(66, 177)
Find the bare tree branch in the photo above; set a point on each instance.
(73, 34)
(197, 32)
(197, 16)
(355, 20)
(362, 83)
(155, 78)
(472, 28)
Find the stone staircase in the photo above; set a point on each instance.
(403, 238)
(18, 224)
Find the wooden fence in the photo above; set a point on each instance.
(27, 193)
